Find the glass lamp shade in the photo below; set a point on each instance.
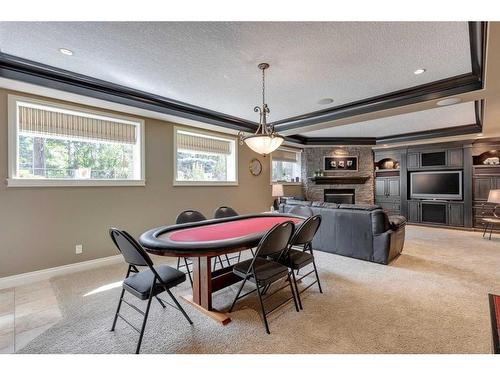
(264, 144)
(494, 196)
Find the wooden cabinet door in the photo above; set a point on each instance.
(456, 214)
(455, 158)
(482, 187)
(393, 188)
(414, 211)
(380, 187)
(413, 160)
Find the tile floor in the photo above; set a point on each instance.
(26, 312)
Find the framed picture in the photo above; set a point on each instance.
(340, 163)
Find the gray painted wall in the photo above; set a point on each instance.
(39, 227)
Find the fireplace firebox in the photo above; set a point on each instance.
(339, 196)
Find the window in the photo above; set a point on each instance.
(286, 166)
(56, 145)
(204, 159)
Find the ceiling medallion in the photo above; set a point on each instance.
(265, 140)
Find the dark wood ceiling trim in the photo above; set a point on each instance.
(477, 38)
(327, 141)
(431, 91)
(429, 134)
(479, 109)
(16, 68)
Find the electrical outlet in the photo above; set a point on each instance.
(78, 249)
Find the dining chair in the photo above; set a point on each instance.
(303, 211)
(220, 213)
(144, 284)
(298, 259)
(188, 216)
(264, 272)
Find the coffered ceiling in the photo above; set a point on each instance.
(211, 67)
(420, 121)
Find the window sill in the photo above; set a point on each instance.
(21, 182)
(202, 183)
(286, 183)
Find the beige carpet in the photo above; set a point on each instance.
(432, 299)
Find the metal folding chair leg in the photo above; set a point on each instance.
(188, 271)
(317, 277)
(160, 301)
(293, 293)
(118, 310)
(263, 310)
(296, 289)
(144, 322)
(237, 295)
(179, 306)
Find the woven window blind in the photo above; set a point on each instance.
(283, 155)
(203, 144)
(45, 121)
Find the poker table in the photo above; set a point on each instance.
(203, 240)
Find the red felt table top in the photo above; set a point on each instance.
(227, 230)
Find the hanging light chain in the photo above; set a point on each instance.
(263, 88)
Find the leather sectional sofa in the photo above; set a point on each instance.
(358, 231)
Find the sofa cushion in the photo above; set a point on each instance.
(325, 204)
(295, 202)
(360, 207)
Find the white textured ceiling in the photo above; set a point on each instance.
(214, 64)
(436, 118)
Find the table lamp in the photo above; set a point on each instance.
(494, 197)
(277, 192)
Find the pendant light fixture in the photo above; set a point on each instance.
(265, 140)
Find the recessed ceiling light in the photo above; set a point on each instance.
(419, 71)
(448, 101)
(325, 101)
(66, 51)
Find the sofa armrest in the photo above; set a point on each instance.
(397, 222)
(381, 247)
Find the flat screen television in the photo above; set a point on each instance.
(436, 185)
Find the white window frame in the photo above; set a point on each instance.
(13, 148)
(299, 152)
(205, 183)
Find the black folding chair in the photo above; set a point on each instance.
(220, 213)
(188, 216)
(297, 259)
(264, 272)
(144, 284)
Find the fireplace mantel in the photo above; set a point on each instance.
(339, 180)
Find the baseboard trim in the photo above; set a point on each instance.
(31, 277)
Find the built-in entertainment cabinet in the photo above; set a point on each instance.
(433, 159)
(429, 184)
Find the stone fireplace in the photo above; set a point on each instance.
(360, 182)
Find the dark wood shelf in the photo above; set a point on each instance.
(339, 180)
